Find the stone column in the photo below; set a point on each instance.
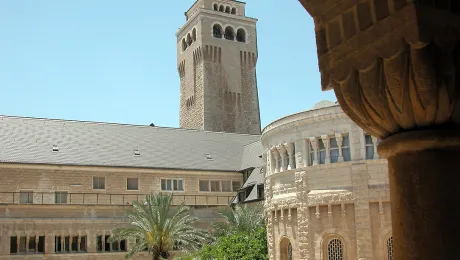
(269, 162)
(396, 73)
(300, 153)
(314, 145)
(339, 138)
(290, 150)
(326, 143)
(374, 142)
(27, 243)
(277, 157)
(282, 153)
(303, 216)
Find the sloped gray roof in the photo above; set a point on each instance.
(252, 155)
(256, 177)
(31, 140)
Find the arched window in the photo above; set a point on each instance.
(216, 7)
(285, 249)
(194, 34)
(241, 35)
(189, 40)
(390, 248)
(233, 10)
(229, 33)
(184, 45)
(335, 249)
(217, 31)
(221, 8)
(227, 9)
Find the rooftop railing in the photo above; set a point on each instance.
(119, 199)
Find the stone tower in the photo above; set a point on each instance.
(216, 57)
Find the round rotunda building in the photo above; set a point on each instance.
(326, 189)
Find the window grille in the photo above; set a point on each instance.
(390, 248)
(334, 150)
(369, 147)
(335, 250)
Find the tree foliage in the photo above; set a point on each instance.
(240, 219)
(158, 226)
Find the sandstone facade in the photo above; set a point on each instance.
(326, 190)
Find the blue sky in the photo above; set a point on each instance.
(115, 60)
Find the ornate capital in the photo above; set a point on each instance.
(289, 148)
(275, 153)
(314, 143)
(392, 66)
(325, 139)
(281, 149)
(339, 138)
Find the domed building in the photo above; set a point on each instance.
(326, 189)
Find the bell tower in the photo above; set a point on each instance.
(216, 57)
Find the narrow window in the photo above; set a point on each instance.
(369, 147)
(60, 197)
(241, 35)
(74, 247)
(194, 34)
(83, 244)
(22, 244)
(322, 152)
(229, 33)
(227, 9)
(390, 248)
(260, 192)
(216, 7)
(311, 159)
(334, 150)
(236, 185)
(13, 245)
(294, 164)
(107, 244)
(280, 161)
(132, 183)
(346, 148)
(26, 197)
(241, 196)
(99, 183)
(41, 244)
(115, 245)
(67, 243)
(335, 250)
(32, 245)
(226, 186)
(221, 8)
(189, 40)
(204, 185)
(233, 10)
(215, 186)
(123, 245)
(99, 243)
(178, 185)
(57, 244)
(217, 31)
(184, 45)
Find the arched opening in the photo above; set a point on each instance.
(217, 31)
(221, 8)
(184, 45)
(389, 245)
(194, 34)
(335, 249)
(285, 249)
(241, 35)
(189, 40)
(216, 7)
(233, 10)
(227, 9)
(229, 33)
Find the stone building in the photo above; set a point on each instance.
(64, 185)
(326, 190)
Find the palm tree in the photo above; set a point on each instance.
(240, 219)
(158, 226)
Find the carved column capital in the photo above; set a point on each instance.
(314, 143)
(325, 139)
(275, 153)
(339, 138)
(281, 150)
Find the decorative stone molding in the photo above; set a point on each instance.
(374, 141)
(290, 150)
(314, 145)
(282, 152)
(326, 142)
(276, 154)
(339, 138)
(285, 203)
(331, 198)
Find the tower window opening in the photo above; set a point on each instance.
(241, 35)
(233, 10)
(229, 33)
(189, 40)
(221, 8)
(194, 34)
(184, 45)
(227, 9)
(216, 7)
(217, 31)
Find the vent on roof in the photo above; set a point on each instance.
(208, 156)
(137, 152)
(55, 148)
